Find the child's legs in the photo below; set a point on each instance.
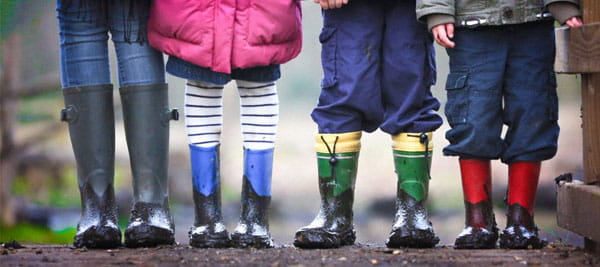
(408, 71)
(259, 113)
(531, 103)
(474, 89)
(351, 43)
(203, 113)
(138, 62)
(83, 47)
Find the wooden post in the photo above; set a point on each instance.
(10, 81)
(590, 107)
(578, 51)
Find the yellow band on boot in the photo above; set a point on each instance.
(411, 142)
(346, 142)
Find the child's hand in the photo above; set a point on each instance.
(443, 33)
(574, 22)
(327, 4)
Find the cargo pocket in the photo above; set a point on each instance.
(328, 56)
(457, 104)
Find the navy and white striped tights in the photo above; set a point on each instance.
(259, 113)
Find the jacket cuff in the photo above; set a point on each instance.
(562, 11)
(437, 19)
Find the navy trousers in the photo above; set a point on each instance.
(379, 64)
(503, 75)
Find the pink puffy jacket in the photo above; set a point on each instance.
(227, 34)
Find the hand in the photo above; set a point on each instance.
(574, 22)
(328, 4)
(443, 33)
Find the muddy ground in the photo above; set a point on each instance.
(358, 255)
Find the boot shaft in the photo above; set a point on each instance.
(256, 187)
(412, 162)
(206, 180)
(89, 113)
(523, 178)
(146, 118)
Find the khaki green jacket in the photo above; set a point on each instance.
(470, 13)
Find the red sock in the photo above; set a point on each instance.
(476, 177)
(523, 179)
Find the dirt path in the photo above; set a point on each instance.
(358, 255)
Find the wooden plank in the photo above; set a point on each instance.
(578, 209)
(590, 108)
(578, 49)
(591, 10)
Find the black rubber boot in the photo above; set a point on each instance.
(412, 227)
(332, 227)
(521, 231)
(146, 117)
(253, 227)
(208, 230)
(480, 230)
(89, 112)
(412, 161)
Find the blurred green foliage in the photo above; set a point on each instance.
(26, 233)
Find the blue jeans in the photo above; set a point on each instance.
(84, 48)
(378, 63)
(503, 75)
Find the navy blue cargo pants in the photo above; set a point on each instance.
(503, 75)
(378, 63)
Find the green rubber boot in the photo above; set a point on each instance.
(333, 227)
(146, 117)
(412, 161)
(89, 112)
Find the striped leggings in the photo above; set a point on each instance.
(259, 113)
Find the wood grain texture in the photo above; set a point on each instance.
(578, 49)
(578, 209)
(590, 106)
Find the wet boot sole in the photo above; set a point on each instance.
(509, 241)
(148, 236)
(99, 237)
(319, 238)
(251, 241)
(412, 238)
(476, 241)
(210, 241)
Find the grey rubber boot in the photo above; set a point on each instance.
(146, 117)
(89, 112)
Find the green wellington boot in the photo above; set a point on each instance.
(89, 112)
(337, 158)
(412, 160)
(146, 117)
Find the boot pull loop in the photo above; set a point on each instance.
(68, 114)
(175, 114)
(170, 114)
(332, 159)
(424, 139)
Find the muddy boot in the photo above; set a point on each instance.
(89, 112)
(480, 230)
(146, 117)
(208, 230)
(412, 159)
(253, 228)
(521, 231)
(337, 159)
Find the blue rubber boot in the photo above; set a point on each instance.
(208, 230)
(253, 228)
